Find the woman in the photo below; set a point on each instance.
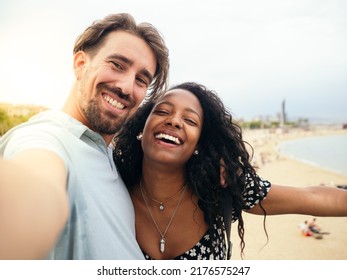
(171, 155)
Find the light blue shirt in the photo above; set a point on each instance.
(101, 224)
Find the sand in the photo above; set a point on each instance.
(285, 241)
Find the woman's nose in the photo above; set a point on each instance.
(174, 121)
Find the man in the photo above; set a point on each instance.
(59, 187)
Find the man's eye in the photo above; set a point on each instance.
(117, 65)
(143, 81)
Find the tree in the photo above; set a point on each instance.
(4, 121)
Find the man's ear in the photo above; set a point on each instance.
(78, 63)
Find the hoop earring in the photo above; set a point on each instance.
(139, 136)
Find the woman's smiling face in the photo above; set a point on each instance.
(173, 128)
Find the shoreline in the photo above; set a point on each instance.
(284, 239)
(266, 145)
(331, 159)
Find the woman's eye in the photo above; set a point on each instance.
(191, 122)
(162, 112)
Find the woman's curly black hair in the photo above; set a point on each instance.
(220, 143)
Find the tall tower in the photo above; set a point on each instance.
(283, 113)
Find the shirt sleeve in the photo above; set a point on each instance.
(254, 193)
(30, 136)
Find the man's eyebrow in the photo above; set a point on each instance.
(130, 62)
(121, 57)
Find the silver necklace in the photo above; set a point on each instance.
(162, 239)
(161, 203)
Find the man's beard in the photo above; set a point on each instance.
(101, 122)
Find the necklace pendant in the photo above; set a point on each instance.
(162, 245)
(161, 207)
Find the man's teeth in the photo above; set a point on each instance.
(113, 102)
(168, 137)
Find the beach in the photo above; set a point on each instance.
(284, 239)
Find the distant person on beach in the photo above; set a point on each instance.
(307, 230)
(189, 174)
(312, 225)
(59, 187)
(304, 229)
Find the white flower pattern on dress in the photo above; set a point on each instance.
(192, 252)
(203, 249)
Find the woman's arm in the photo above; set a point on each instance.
(316, 201)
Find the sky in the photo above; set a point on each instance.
(253, 53)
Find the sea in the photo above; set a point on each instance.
(327, 152)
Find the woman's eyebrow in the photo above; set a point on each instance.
(172, 105)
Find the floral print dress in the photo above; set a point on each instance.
(217, 250)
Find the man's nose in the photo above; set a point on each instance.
(126, 84)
